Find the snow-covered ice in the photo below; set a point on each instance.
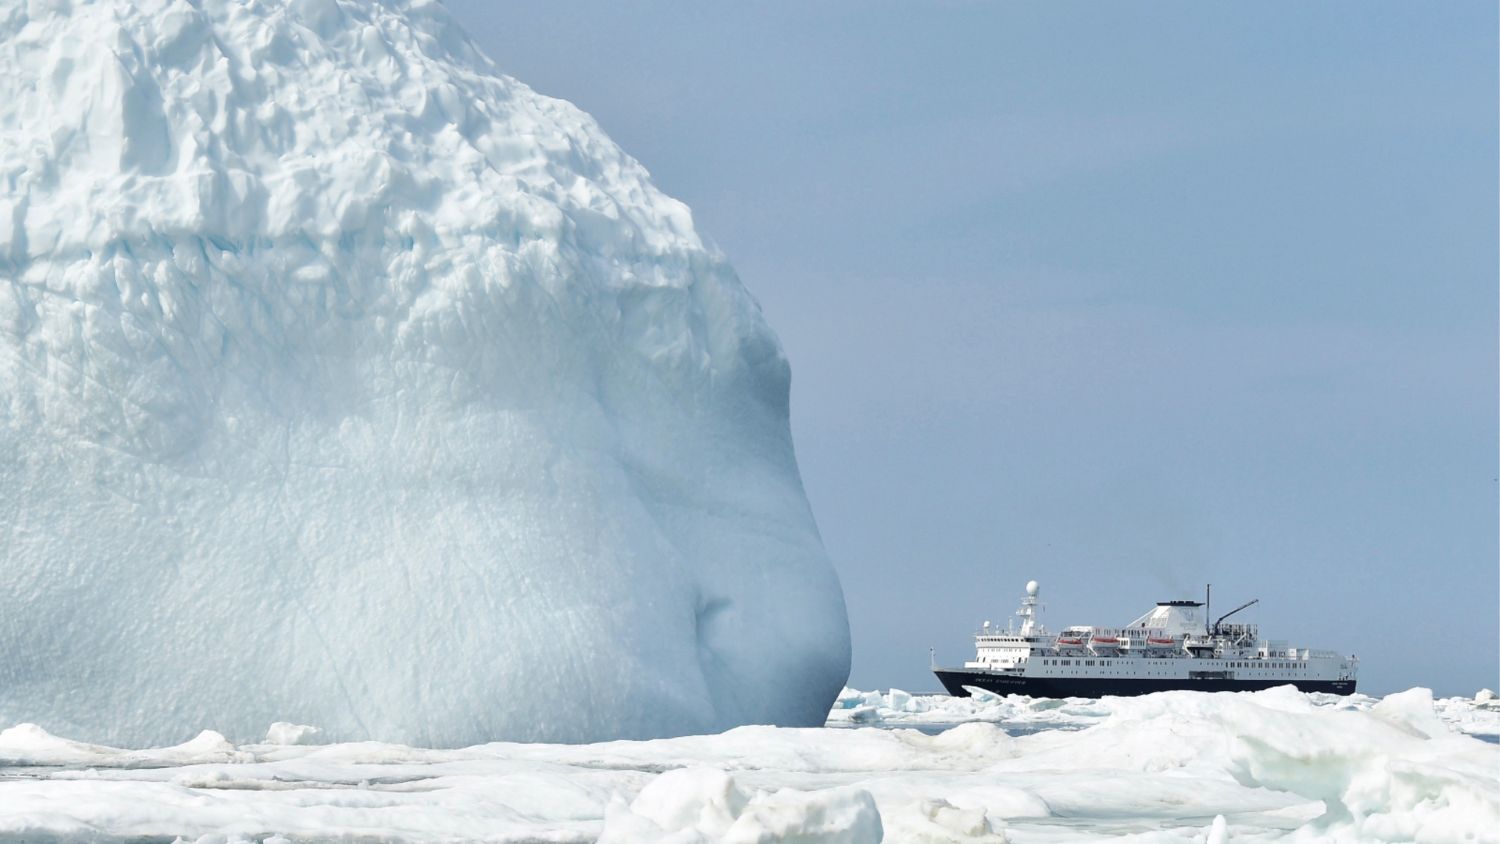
(1172, 767)
(1477, 716)
(345, 381)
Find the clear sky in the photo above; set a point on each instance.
(1122, 299)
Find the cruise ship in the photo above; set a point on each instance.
(1174, 646)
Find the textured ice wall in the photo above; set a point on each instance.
(346, 382)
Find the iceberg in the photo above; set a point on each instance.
(345, 381)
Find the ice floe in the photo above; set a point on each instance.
(1174, 767)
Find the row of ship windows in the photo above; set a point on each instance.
(1226, 665)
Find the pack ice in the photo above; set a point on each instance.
(345, 381)
(1168, 768)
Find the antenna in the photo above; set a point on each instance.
(1208, 603)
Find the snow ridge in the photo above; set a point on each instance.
(345, 381)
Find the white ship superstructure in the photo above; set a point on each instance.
(1174, 646)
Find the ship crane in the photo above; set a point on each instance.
(1248, 604)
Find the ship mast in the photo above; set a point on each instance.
(1028, 610)
(1208, 611)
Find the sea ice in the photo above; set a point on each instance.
(707, 805)
(283, 733)
(1479, 716)
(345, 381)
(1173, 767)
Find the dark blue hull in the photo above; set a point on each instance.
(954, 681)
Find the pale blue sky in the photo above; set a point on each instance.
(1124, 299)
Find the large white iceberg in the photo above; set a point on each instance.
(345, 381)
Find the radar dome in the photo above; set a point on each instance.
(1031, 588)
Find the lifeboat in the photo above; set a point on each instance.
(1101, 642)
(1071, 643)
(1158, 642)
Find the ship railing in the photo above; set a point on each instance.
(1012, 642)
